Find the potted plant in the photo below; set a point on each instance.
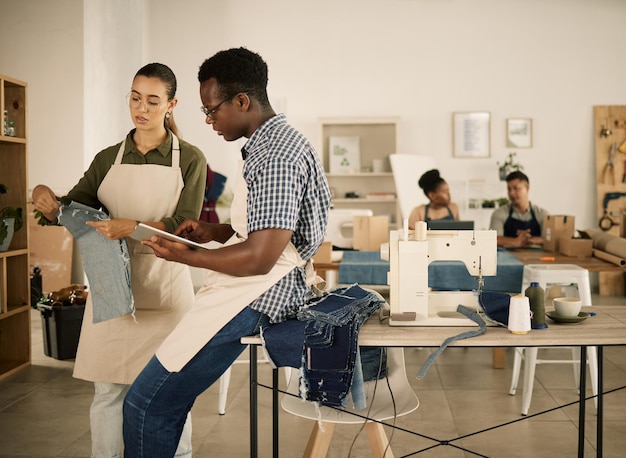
(502, 201)
(508, 166)
(11, 220)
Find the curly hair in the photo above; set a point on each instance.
(430, 181)
(237, 70)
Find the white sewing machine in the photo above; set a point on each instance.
(410, 252)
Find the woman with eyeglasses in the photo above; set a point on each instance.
(440, 206)
(156, 178)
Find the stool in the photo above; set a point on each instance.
(562, 274)
(225, 382)
(545, 275)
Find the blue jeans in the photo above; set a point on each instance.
(157, 403)
(106, 262)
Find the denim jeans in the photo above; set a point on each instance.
(106, 423)
(106, 262)
(158, 401)
(323, 342)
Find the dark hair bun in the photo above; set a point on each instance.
(429, 179)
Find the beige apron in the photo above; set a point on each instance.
(223, 296)
(116, 350)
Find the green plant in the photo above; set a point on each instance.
(508, 166)
(511, 163)
(502, 201)
(10, 212)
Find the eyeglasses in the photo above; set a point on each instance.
(211, 113)
(151, 105)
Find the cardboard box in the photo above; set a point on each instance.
(324, 254)
(556, 227)
(576, 246)
(370, 232)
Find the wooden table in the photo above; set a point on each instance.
(611, 283)
(607, 328)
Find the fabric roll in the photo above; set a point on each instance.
(609, 257)
(608, 247)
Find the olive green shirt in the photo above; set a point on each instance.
(192, 165)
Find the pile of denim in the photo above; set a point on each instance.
(323, 343)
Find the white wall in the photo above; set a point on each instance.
(420, 60)
(41, 43)
(113, 52)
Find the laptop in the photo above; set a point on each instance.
(447, 224)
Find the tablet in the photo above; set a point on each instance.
(145, 232)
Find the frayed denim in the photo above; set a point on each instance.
(106, 262)
(323, 343)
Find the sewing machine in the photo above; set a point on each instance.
(410, 252)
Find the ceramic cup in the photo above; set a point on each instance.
(567, 306)
(378, 166)
(519, 315)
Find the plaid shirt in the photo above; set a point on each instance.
(287, 189)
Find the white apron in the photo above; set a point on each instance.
(115, 351)
(223, 296)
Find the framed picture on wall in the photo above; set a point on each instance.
(471, 133)
(344, 153)
(519, 133)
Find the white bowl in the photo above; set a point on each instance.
(567, 306)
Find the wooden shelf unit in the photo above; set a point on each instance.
(15, 350)
(377, 142)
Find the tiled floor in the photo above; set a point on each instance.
(44, 411)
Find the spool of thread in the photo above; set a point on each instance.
(519, 315)
(536, 297)
(420, 231)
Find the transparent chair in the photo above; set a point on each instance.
(384, 401)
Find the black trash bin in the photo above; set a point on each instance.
(61, 329)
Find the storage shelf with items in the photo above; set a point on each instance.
(14, 260)
(477, 199)
(355, 153)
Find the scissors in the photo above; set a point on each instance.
(610, 165)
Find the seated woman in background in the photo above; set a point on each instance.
(439, 207)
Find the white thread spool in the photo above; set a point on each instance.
(420, 231)
(519, 315)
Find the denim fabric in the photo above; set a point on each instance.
(158, 402)
(323, 342)
(472, 315)
(106, 262)
(496, 306)
(106, 423)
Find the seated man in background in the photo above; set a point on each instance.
(439, 206)
(518, 223)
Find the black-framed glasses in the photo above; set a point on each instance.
(211, 113)
(152, 104)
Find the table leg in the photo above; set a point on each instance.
(275, 412)
(254, 432)
(498, 358)
(581, 402)
(600, 413)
